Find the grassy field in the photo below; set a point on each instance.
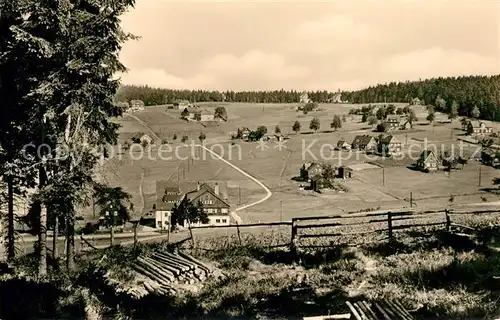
(275, 167)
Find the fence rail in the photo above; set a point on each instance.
(386, 223)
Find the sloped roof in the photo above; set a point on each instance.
(204, 188)
(164, 194)
(425, 155)
(362, 139)
(313, 166)
(388, 139)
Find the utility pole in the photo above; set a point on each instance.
(480, 166)
(411, 200)
(239, 195)
(406, 138)
(383, 176)
(281, 213)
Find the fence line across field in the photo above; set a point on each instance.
(307, 226)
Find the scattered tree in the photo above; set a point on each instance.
(344, 118)
(184, 139)
(411, 117)
(464, 122)
(277, 129)
(431, 116)
(381, 127)
(202, 137)
(453, 111)
(187, 211)
(372, 120)
(400, 111)
(261, 131)
(185, 113)
(220, 113)
(475, 113)
(440, 103)
(470, 128)
(174, 137)
(336, 123)
(314, 124)
(115, 205)
(296, 126)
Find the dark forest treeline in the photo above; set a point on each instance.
(464, 92)
(155, 96)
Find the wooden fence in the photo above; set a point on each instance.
(386, 223)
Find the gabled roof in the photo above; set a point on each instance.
(204, 188)
(314, 165)
(362, 139)
(165, 193)
(426, 154)
(388, 139)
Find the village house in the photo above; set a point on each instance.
(142, 138)
(310, 170)
(167, 196)
(390, 145)
(345, 172)
(479, 128)
(245, 132)
(204, 116)
(337, 98)
(393, 122)
(214, 204)
(136, 105)
(304, 98)
(490, 158)
(189, 113)
(415, 102)
(428, 161)
(342, 144)
(365, 143)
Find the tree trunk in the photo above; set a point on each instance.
(55, 252)
(11, 237)
(111, 235)
(70, 245)
(42, 241)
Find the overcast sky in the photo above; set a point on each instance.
(328, 45)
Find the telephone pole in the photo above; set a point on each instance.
(281, 213)
(480, 166)
(383, 176)
(239, 195)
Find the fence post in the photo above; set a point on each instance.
(293, 248)
(448, 220)
(389, 224)
(238, 230)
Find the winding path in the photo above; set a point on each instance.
(235, 216)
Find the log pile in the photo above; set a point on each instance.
(165, 273)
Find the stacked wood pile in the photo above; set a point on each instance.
(383, 310)
(166, 273)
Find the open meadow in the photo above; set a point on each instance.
(386, 185)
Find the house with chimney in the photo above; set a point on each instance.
(479, 128)
(212, 195)
(167, 196)
(215, 204)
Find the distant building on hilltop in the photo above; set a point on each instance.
(304, 98)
